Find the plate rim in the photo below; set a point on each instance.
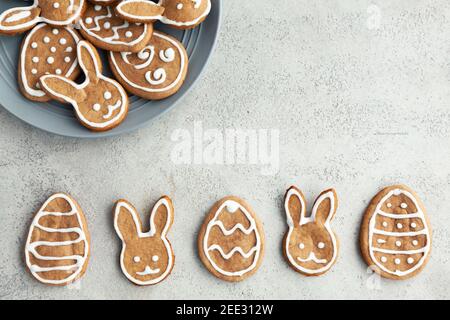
(126, 130)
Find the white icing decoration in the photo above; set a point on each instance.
(197, 3)
(194, 22)
(111, 109)
(146, 54)
(389, 205)
(114, 39)
(50, 60)
(67, 59)
(255, 250)
(34, 71)
(31, 247)
(398, 243)
(28, 89)
(399, 226)
(107, 25)
(107, 95)
(167, 55)
(150, 233)
(56, 5)
(410, 260)
(98, 7)
(53, 49)
(46, 40)
(159, 77)
(58, 71)
(321, 245)
(148, 62)
(155, 258)
(35, 59)
(413, 225)
(88, 20)
(69, 49)
(55, 32)
(304, 220)
(180, 6)
(403, 205)
(137, 259)
(373, 231)
(385, 224)
(301, 246)
(87, 82)
(128, 34)
(415, 242)
(18, 14)
(383, 259)
(62, 41)
(147, 271)
(381, 241)
(97, 107)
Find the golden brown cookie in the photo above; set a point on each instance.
(185, 14)
(395, 234)
(58, 244)
(103, 2)
(156, 72)
(47, 50)
(100, 103)
(147, 258)
(231, 240)
(101, 26)
(54, 12)
(310, 245)
(139, 11)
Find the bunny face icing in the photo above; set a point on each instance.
(310, 245)
(147, 258)
(53, 12)
(100, 103)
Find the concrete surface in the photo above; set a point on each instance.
(359, 91)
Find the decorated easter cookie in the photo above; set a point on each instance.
(101, 26)
(100, 103)
(310, 245)
(103, 2)
(47, 50)
(156, 72)
(395, 234)
(231, 240)
(147, 258)
(54, 12)
(185, 14)
(58, 243)
(139, 11)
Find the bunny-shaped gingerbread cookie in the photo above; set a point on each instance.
(53, 12)
(310, 245)
(147, 258)
(100, 103)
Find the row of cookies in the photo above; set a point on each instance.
(395, 238)
(145, 62)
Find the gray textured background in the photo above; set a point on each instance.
(361, 101)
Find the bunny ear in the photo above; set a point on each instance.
(89, 61)
(126, 221)
(325, 206)
(20, 19)
(295, 206)
(62, 89)
(139, 11)
(161, 218)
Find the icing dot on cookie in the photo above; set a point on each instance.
(50, 60)
(397, 261)
(415, 242)
(62, 41)
(128, 34)
(404, 205)
(98, 8)
(88, 20)
(137, 259)
(410, 260)
(53, 49)
(34, 71)
(179, 6)
(301, 246)
(399, 225)
(385, 224)
(107, 95)
(96, 107)
(58, 71)
(381, 241)
(46, 40)
(155, 258)
(55, 31)
(67, 59)
(34, 45)
(107, 25)
(69, 49)
(398, 243)
(56, 5)
(389, 205)
(383, 259)
(321, 245)
(413, 225)
(232, 206)
(35, 59)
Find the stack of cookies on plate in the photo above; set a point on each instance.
(145, 62)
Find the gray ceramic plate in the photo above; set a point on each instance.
(60, 119)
